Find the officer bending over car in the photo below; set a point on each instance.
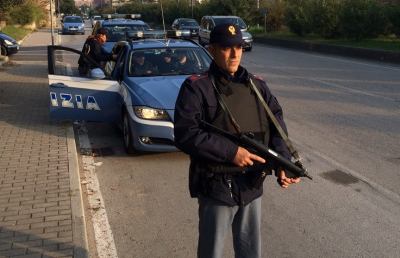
(224, 98)
(92, 48)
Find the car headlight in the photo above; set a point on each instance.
(151, 113)
(8, 42)
(178, 33)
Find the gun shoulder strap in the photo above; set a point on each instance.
(281, 132)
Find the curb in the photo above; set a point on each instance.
(26, 36)
(78, 217)
(5, 59)
(363, 53)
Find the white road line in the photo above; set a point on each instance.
(327, 83)
(44, 51)
(393, 68)
(331, 84)
(341, 59)
(105, 244)
(28, 62)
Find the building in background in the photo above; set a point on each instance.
(79, 3)
(116, 3)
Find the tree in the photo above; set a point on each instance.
(68, 7)
(26, 13)
(6, 6)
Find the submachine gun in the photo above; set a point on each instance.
(292, 170)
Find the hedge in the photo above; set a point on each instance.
(353, 19)
(25, 14)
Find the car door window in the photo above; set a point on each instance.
(203, 24)
(119, 65)
(210, 25)
(66, 63)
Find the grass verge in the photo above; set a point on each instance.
(17, 33)
(388, 43)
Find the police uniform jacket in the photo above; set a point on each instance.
(197, 100)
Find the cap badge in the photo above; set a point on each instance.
(232, 30)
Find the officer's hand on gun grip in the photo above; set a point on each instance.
(284, 181)
(245, 158)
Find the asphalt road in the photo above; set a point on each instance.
(344, 117)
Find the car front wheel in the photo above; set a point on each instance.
(127, 133)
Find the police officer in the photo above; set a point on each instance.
(182, 64)
(224, 98)
(93, 49)
(141, 67)
(166, 65)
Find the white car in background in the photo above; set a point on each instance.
(95, 19)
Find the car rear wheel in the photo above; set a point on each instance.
(127, 133)
(3, 51)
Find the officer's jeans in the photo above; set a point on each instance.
(215, 219)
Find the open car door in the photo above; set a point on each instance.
(75, 97)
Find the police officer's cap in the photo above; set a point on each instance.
(226, 35)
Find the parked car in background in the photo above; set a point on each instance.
(191, 25)
(73, 25)
(9, 45)
(95, 19)
(208, 23)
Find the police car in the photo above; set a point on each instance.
(142, 103)
(124, 27)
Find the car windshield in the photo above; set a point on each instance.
(97, 18)
(73, 20)
(120, 32)
(232, 20)
(189, 23)
(168, 61)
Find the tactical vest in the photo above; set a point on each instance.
(244, 107)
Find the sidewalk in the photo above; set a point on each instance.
(41, 212)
